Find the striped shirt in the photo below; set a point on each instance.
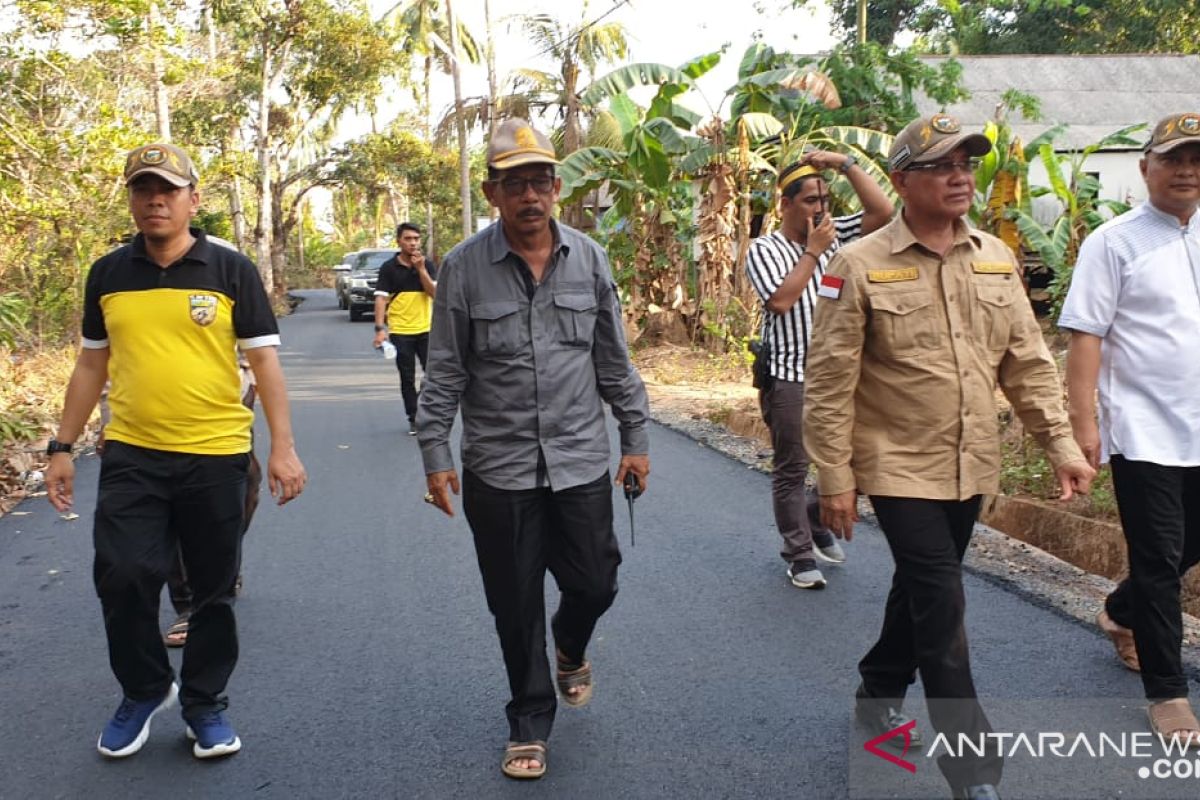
(768, 262)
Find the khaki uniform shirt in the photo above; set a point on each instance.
(904, 364)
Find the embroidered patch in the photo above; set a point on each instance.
(203, 308)
(892, 275)
(944, 123)
(831, 287)
(992, 267)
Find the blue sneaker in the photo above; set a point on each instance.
(213, 735)
(129, 727)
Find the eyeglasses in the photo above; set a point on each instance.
(515, 187)
(944, 169)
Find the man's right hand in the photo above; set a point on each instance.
(820, 237)
(440, 485)
(1087, 436)
(839, 512)
(60, 481)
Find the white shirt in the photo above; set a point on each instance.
(1136, 285)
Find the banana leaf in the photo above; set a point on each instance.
(1039, 239)
(1054, 172)
(624, 78)
(701, 64)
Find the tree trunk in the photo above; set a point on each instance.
(237, 213)
(492, 91)
(464, 158)
(162, 105)
(263, 229)
(572, 134)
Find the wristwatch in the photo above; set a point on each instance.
(847, 164)
(380, 328)
(55, 446)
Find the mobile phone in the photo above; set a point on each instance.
(817, 218)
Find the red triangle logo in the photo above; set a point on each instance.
(904, 730)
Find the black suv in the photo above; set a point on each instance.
(364, 272)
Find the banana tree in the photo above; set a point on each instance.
(1082, 209)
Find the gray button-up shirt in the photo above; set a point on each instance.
(530, 372)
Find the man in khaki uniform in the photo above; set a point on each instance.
(918, 324)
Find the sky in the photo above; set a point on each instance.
(664, 31)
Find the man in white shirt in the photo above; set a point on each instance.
(1134, 312)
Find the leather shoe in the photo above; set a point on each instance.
(1122, 639)
(878, 718)
(982, 792)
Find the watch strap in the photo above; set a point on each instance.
(847, 164)
(55, 446)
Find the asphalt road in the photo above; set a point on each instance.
(370, 668)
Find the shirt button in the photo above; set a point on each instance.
(965, 373)
(958, 334)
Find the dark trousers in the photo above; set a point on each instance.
(923, 625)
(1160, 514)
(409, 348)
(152, 506)
(518, 536)
(177, 583)
(797, 514)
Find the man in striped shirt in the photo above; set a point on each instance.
(785, 269)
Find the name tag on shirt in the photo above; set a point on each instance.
(831, 287)
(992, 267)
(891, 275)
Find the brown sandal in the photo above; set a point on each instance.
(176, 635)
(514, 751)
(1122, 639)
(580, 677)
(1173, 720)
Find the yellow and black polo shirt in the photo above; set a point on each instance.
(409, 309)
(172, 336)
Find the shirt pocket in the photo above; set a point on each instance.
(496, 328)
(993, 316)
(575, 318)
(905, 322)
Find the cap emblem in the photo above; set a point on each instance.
(944, 123)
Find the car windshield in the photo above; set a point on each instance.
(371, 262)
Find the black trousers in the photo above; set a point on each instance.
(177, 584)
(409, 348)
(1160, 515)
(923, 626)
(152, 506)
(518, 536)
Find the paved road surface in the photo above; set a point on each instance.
(370, 669)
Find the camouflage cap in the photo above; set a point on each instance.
(515, 144)
(929, 138)
(1173, 131)
(164, 160)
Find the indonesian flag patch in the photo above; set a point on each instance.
(831, 287)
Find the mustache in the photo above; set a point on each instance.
(531, 213)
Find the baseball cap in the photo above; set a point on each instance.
(1172, 131)
(930, 138)
(515, 144)
(164, 160)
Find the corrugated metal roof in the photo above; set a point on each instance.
(1094, 95)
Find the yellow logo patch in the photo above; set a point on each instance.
(525, 137)
(892, 275)
(203, 308)
(991, 267)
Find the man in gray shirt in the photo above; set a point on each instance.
(527, 340)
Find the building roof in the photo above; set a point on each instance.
(1093, 95)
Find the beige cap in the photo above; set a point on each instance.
(930, 138)
(515, 144)
(164, 160)
(1172, 131)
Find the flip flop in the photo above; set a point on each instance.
(176, 635)
(514, 751)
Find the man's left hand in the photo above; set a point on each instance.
(1074, 477)
(285, 475)
(638, 465)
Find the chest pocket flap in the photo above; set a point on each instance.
(904, 321)
(575, 317)
(496, 327)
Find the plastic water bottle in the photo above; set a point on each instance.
(388, 350)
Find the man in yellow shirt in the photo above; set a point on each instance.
(403, 310)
